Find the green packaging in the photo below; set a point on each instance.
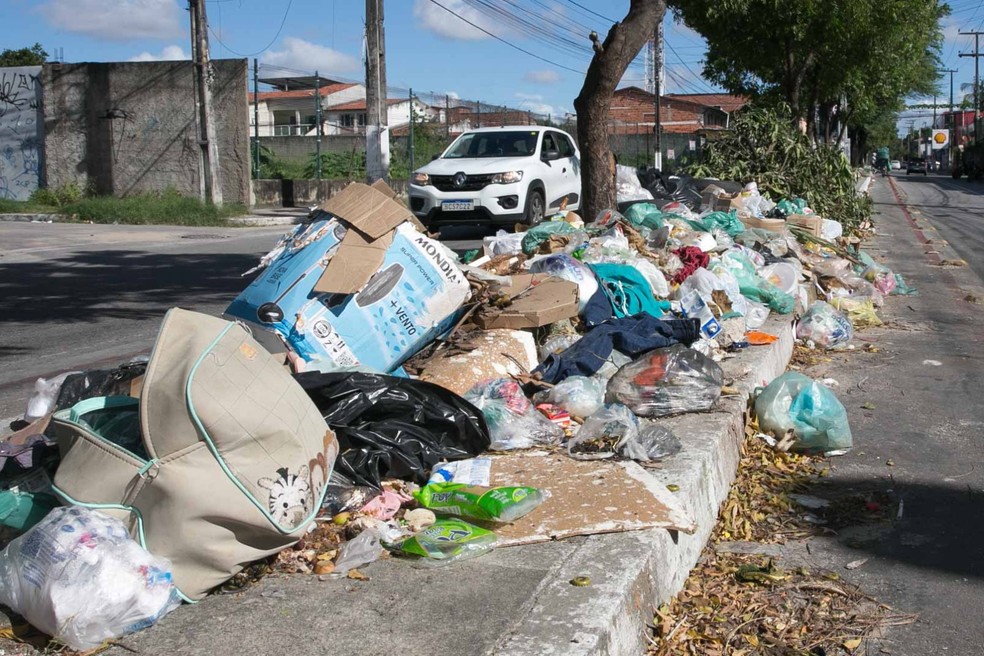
(449, 540)
(493, 504)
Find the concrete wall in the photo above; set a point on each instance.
(125, 128)
(304, 193)
(21, 131)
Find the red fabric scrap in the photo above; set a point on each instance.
(693, 258)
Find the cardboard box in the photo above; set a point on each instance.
(360, 286)
(773, 225)
(539, 301)
(812, 223)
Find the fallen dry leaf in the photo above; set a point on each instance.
(356, 575)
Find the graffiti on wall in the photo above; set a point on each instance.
(20, 131)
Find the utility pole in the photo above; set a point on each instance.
(658, 79)
(412, 120)
(211, 184)
(951, 124)
(977, 78)
(317, 118)
(447, 116)
(256, 118)
(377, 130)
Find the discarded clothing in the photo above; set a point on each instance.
(693, 258)
(390, 427)
(629, 335)
(628, 291)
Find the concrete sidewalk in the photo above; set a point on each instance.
(515, 601)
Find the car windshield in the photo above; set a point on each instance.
(493, 144)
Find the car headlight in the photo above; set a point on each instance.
(421, 179)
(507, 178)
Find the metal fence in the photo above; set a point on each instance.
(304, 126)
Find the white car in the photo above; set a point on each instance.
(499, 175)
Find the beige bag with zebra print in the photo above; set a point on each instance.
(222, 461)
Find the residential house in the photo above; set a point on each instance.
(633, 111)
(350, 117)
(292, 112)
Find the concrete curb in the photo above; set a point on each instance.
(260, 221)
(513, 602)
(32, 218)
(644, 569)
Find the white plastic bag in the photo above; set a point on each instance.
(502, 243)
(46, 390)
(513, 421)
(579, 395)
(628, 186)
(79, 577)
(566, 267)
(825, 326)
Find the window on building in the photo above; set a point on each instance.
(347, 120)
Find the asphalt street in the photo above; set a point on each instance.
(86, 296)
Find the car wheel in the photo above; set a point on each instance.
(535, 207)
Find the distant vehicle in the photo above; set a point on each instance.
(499, 176)
(896, 165)
(916, 165)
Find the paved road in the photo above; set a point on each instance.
(917, 420)
(83, 296)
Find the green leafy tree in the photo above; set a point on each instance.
(811, 54)
(33, 56)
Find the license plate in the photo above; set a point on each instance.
(458, 205)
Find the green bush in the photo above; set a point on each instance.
(764, 147)
(59, 196)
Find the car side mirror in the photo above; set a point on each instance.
(550, 155)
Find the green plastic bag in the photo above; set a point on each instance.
(542, 232)
(727, 221)
(21, 510)
(646, 215)
(755, 287)
(815, 415)
(491, 504)
(788, 207)
(447, 541)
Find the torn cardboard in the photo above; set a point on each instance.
(587, 497)
(371, 216)
(537, 301)
(484, 355)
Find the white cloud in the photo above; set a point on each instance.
(119, 20)
(535, 103)
(304, 55)
(441, 22)
(542, 77)
(168, 53)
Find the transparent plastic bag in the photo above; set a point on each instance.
(566, 267)
(628, 186)
(361, 550)
(614, 431)
(859, 309)
(513, 421)
(812, 411)
(556, 343)
(667, 381)
(825, 326)
(579, 395)
(79, 577)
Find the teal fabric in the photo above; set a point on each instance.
(628, 291)
(542, 232)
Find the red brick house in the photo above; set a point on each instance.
(633, 112)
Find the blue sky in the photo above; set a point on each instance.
(428, 48)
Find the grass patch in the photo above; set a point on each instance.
(8, 206)
(167, 208)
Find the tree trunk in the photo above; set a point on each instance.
(611, 59)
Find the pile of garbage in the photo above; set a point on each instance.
(366, 388)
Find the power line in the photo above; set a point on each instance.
(511, 45)
(578, 4)
(283, 21)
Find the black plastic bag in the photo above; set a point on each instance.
(389, 427)
(98, 382)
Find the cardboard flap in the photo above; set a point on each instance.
(547, 301)
(367, 209)
(354, 263)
